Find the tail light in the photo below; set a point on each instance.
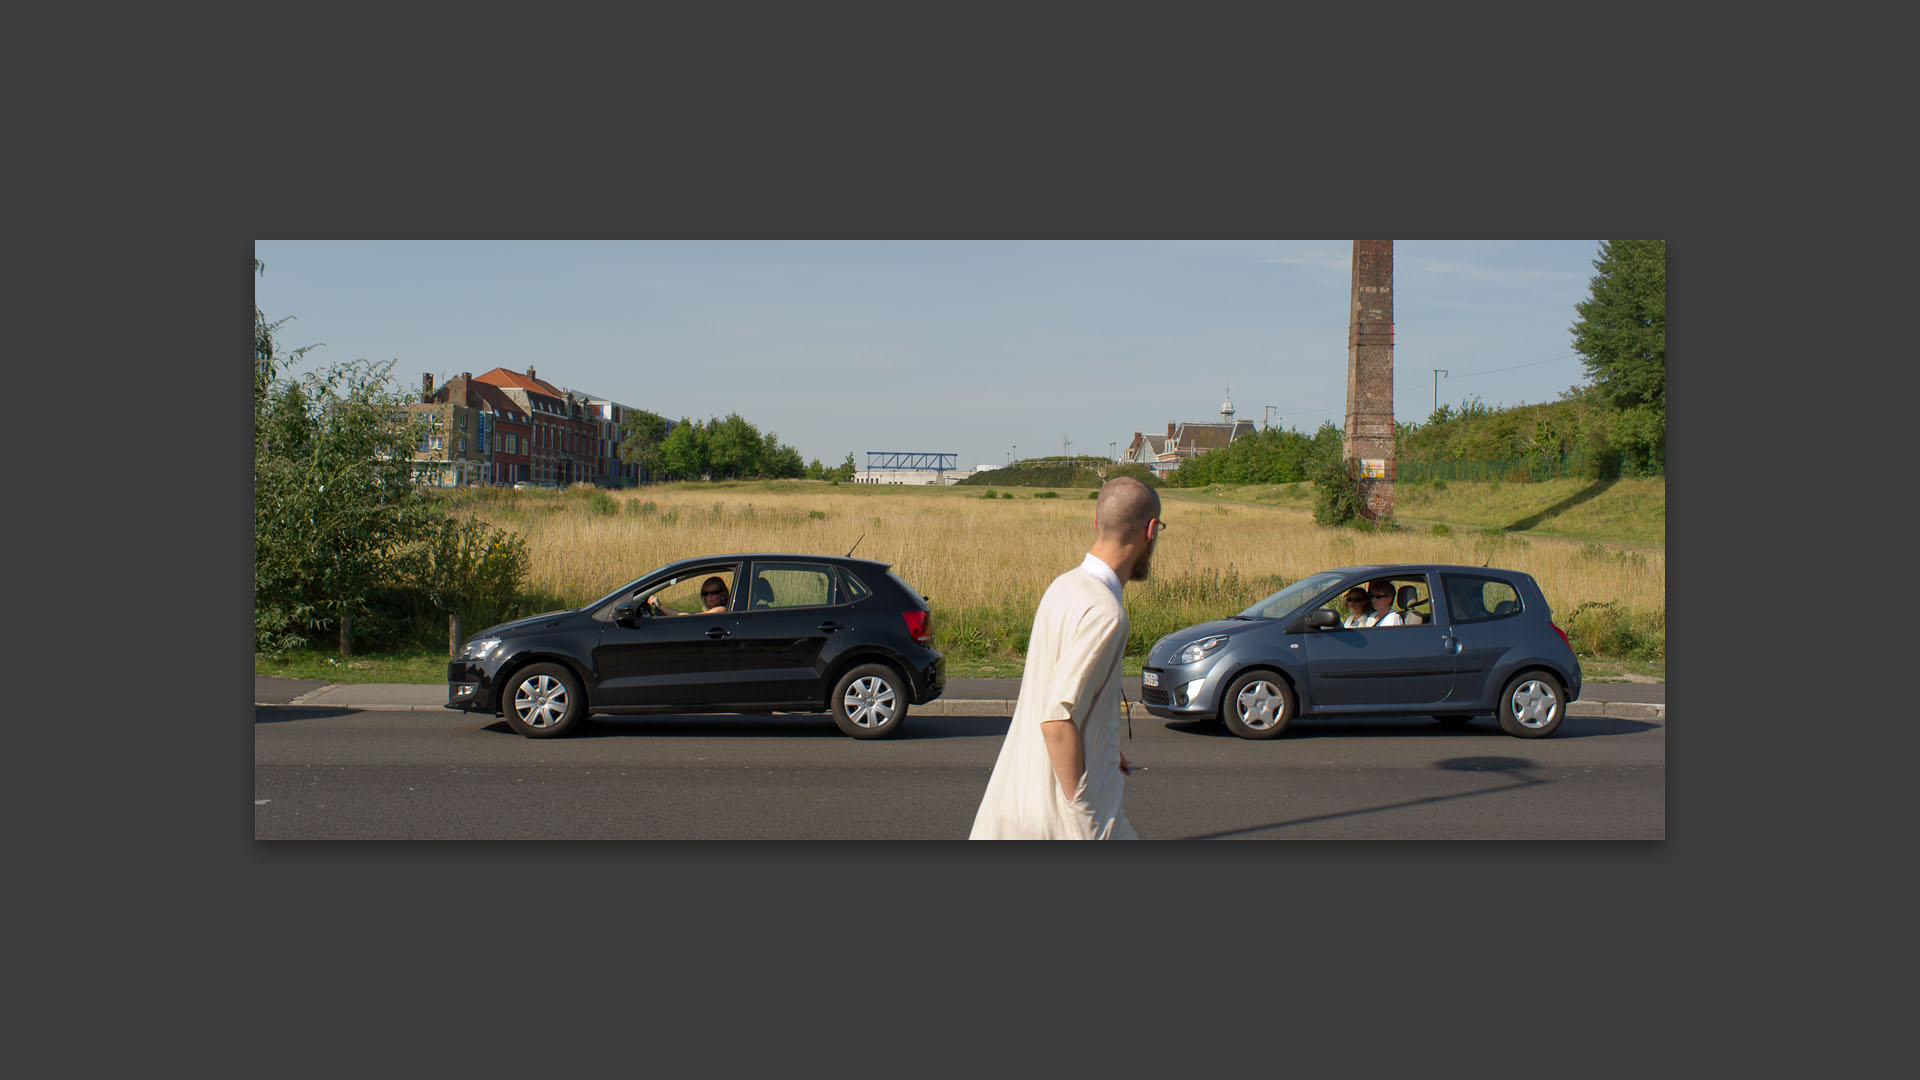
(919, 626)
(1562, 633)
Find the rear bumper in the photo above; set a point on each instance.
(930, 680)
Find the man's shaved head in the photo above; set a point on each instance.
(1124, 507)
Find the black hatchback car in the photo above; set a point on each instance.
(728, 633)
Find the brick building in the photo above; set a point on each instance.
(1185, 441)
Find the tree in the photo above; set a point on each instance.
(1622, 334)
(333, 493)
(733, 448)
(641, 434)
(683, 453)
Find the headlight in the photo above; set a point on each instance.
(480, 648)
(1201, 649)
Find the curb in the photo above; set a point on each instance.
(1612, 710)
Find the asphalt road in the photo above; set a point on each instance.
(343, 773)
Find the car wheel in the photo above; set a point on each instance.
(543, 701)
(869, 701)
(1257, 705)
(1532, 705)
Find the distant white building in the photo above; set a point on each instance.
(911, 468)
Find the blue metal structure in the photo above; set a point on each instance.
(905, 459)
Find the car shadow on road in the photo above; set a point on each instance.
(1491, 764)
(280, 714)
(1573, 727)
(756, 726)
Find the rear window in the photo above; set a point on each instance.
(1471, 598)
(852, 588)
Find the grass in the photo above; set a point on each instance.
(1599, 555)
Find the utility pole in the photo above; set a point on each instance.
(1111, 448)
(1438, 373)
(1270, 409)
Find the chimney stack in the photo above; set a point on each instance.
(426, 386)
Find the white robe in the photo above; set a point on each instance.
(1072, 672)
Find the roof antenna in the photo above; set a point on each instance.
(856, 544)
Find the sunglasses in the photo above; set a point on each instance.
(713, 592)
(1378, 595)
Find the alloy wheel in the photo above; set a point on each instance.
(1259, 704)
(870, 702)
(1534, 704)
(541, 701)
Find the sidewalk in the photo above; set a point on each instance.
(963, 697)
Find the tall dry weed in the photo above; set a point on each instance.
(984, 562)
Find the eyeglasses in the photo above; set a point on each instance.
(1158, 527)
(1378, 595)
(1356, 599)
(713, 592)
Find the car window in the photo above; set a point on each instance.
(1286, 600)
(852, 588)
(789, 585)
(684, 592)
(1412, 601)
(1472, 598)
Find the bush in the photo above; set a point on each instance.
(1440, 529)
(1050, 494)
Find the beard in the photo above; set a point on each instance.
(1145, 566)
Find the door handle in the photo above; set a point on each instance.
(830, 626)
(717, 633)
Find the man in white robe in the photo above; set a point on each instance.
(1060, 774)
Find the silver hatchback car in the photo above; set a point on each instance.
(1453, 642)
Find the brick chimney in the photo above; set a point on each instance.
(1369, 430)
(426, 386)
(530, 373)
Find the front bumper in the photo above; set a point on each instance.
(1178, 693)
(471, 688)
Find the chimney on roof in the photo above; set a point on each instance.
(426, 386)
(1169, 431)
(530, 373)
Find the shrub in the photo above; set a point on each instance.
(1440, 529)
(1047, 494)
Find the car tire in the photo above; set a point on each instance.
(543, 701)
(1532, 705)
(1258, 705)
(869, 701)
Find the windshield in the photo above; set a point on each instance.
(1287, 600)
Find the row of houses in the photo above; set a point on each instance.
(503, 427)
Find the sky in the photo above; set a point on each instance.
(981, 349)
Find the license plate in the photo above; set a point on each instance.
(1150, 678)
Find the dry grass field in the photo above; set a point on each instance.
(983, 561)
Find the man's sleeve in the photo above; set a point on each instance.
(1083, 660)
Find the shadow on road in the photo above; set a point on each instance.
(1348, 727)
(280, 714)
(1506, 765)
(795, 726)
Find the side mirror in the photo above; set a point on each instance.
(623, 611)
(1320, 619)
